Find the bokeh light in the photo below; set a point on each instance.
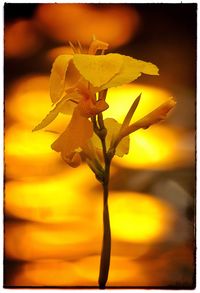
(53, 213)
(55, 272)
(29, 102)
(139, 217)
(67, 226)
(49, 272)
(88, 268)
(121, 98)
(114, 24)
(59, 198)
(21, 39)
(55, 52)
(70, 240)
(148, 149)
(29, 154)
(159, 147)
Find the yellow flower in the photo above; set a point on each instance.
(78, 86)
(156, 116)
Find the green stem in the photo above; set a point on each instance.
(106, 245)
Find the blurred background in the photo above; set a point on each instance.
(53, 213)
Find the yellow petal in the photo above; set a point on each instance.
(146, 67)
(66, 106)
(131, 69)
(76, 134)
(98, 70)
(60, 107)
(47, 120)
(72, 98)
(57, 77)
(73, 77)
(88, 108)
(157, 115)
(73, 160)
(113, 128)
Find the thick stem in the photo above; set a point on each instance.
(106, 244)
(101, 132)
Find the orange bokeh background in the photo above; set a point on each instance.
(53, 213)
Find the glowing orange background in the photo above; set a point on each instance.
(53, 214)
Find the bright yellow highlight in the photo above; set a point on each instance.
(159, 148)
(155, 146)
(28, 101)
(17, 139)
(121, 98)
(139, 218)
(67, 225)
(32, 241)
(60, 198)
(28, 154)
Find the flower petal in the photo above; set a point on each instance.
(157, 115)
(72, 98)
(131, 69)
(113, 128)
(73, 78)
(57, 77)
(66, 106)
(76, 134)
(105, 71)
(60, 106)
(88, 108)
(99, 69)
(73, 160)
(47, 120)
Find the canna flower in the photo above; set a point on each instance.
(78, 87)
(157, 115)
(117, 139)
